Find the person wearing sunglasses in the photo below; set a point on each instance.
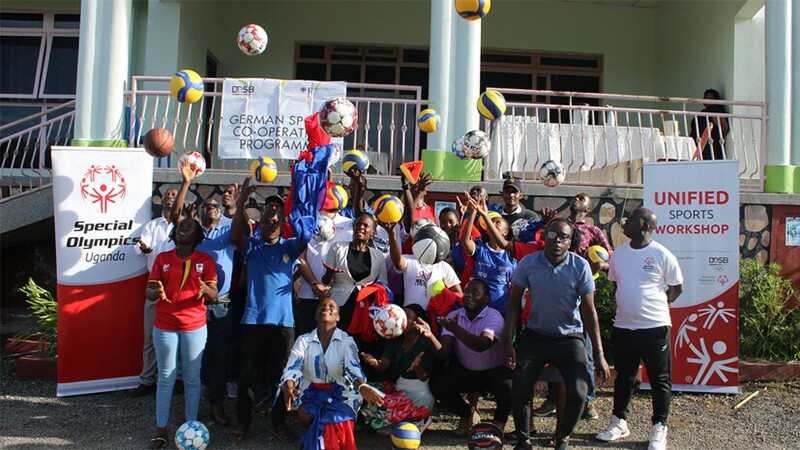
(562, 302)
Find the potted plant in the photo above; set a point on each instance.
(38, 348)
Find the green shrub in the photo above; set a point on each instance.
(45, 310)
(606, 306)
(768, 328)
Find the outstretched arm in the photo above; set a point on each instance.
(589, 317)
(188, 174)
(394, 247)
(240, 220)
(466, 236)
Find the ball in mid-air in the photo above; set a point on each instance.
(252, 40)
(388, 209)
(355, 163)
(263, 170)
(492, 105)
(338, 117)
(475, 145)
(406, 436)
(186, 86)
(335, 198)
(196, 162)
(192, 435)
(325, 229)
(159, 142)
(430, 245)
(552, 173)
(473, 9)
(428, 120)
(390, 321)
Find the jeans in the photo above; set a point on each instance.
(168, 344)
(568, 354)
(148, 375)
(216, 354)
(631, 347)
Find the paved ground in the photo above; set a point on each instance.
(32, 417)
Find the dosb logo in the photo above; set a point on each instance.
(718, 263)
(243, 90)
(103, 185)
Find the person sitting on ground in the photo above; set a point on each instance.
(474, 335)
(180, 282)
(323, 376)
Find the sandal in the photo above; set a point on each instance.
(157, 442)
(283, 434)
(238, 435)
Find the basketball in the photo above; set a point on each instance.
(405, 436)
(263, 170)
(388, 209)
(335, 199)
(355, 163)
(492, 105)
(428, 120)
(159, 142)
(485, 435)
(186, 86)
(473, 9)
(431, 245)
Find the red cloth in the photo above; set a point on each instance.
(339, 436)
(523, 249)
(361, 323)
(426, 211)
(441, 305)
(181, 280)
(469, 268)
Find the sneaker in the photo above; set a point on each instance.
(617, 429)
(232, 389)
(142, 390)
(547, 408)
(658, 437)
(589, 413)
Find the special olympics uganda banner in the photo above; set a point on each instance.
(101, 198)
(697, 205)
(265, 117)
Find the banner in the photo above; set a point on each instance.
(697, 205)
(264, 117)
(101, 198)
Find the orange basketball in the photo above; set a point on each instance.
(159, 142)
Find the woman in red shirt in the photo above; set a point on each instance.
(180, 281)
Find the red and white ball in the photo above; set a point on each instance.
(252, 40)
(390, 321)
(325, 229)
(196, 162)
(338, 117)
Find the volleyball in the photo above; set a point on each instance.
(186, 86)
(492, 105)
(473, 9)
(595, 254)
(336, 198)
(263, 170)
(355, 163)
(428, 120)
(252, 40)
(406, 436)
(159, 142)
(388, 209)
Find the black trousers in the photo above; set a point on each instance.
(568, 354)
(652, 346)
(214, 372)
(448, 383)
(306, 319)
(265, 349)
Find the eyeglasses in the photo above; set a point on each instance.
(560, 236)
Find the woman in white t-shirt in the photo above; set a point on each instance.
(420, 281)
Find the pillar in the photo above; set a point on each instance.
(778, 171)
(466, 69)
(794, 149)
(439, 77)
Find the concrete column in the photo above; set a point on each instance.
(466, 67)
(103, 71)
(792, 63)
(778, 32)
(439, 78)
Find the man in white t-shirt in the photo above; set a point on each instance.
(419, 279)
(648, 281)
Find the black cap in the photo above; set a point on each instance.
(512, 182)
(274, 199)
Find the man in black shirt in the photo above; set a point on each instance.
(512, 211)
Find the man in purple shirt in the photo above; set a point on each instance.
(473, 334)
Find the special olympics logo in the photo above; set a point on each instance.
(722, 280)
(649, 261)
(103, 185)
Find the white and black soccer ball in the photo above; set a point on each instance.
(458, 148)
(419, 224)
(430, 245)
(252, 40)
(192, 435)
(552, 173)
(390, 321)
(325, 229)
(338, 117)
(477, 144)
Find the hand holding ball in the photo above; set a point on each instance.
(159, 142)
(263, 170)
(196, 162)
(388, 209)
(186, 86)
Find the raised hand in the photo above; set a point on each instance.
(389, 227)
(423, 328)
(462, 208)
(548, 214)
(186, 170)
(190, 211)
(369, 359)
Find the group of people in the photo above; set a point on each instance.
(512, 303)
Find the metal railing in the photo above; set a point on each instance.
(386, 129)
(603, 139)
(25, 145)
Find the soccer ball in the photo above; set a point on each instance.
(192, 435)
(326, 229)
(431, 245)
(196, 162)
(552, 173)
(186, 86)
(475, 144)
(263, 170)
(458, 148)
(338, 117)
(390, 321)
(252, 40)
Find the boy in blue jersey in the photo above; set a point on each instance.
(268, 320)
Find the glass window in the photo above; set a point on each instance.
(62, 66)
(19, 63)
(67, 21)
(17, 20)
(10, 113)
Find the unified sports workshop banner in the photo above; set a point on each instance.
(101, 198)
(264, 117)
(697, 205)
